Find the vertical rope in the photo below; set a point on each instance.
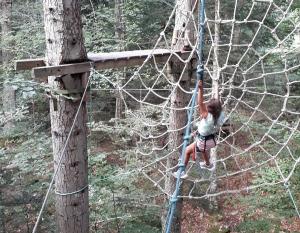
(199, 76)
(201, 30)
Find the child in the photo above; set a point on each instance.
(211, 118)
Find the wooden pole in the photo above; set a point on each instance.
(216, 71)
(183, 35)
(215, 94)
(5, 20)
(64, 40)
(9, 92)
(120, 31)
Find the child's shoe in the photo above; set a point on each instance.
(209, 167)
(183, 175)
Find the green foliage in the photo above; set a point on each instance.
(142, 227)
(274, 198)
(142, 30)
(125, 195)
(120, 200)
(27, 36)
(25, 40)
(122, 204)
(258, 226)
(143, 21)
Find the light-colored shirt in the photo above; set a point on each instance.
(206, 126)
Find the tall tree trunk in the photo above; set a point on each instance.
(215, 94)
(9, 106)
(216, 71)
(183, 35)
(65, 44)
(120, 30)
(237, 30)
(8, 96)
(2, 215)
(6, 15)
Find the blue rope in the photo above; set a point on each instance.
(200, 66)
(199, 75)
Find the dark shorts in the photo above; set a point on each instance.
(205, 143)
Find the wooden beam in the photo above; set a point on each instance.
(29, 64)
(135, 60)
(100, 61)
(76, 68)
(128, 54)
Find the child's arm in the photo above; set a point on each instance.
(201, 105)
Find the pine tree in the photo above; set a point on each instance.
(65, 44)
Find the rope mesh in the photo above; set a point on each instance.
(257, 67)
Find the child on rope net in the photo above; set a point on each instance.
(211, 119)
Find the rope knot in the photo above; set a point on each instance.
(286, 184)
(173, 199)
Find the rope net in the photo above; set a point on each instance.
(252, 53)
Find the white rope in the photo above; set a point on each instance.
(71, 193)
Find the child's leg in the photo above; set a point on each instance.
(206, 156)
(189, 150)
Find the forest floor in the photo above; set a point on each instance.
(233, 217)
(234, 214)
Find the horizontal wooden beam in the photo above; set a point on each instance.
(101, 61)
(76, 68)
(29, 64)
(137, 60)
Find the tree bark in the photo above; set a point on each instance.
(65, 44)
(9, 106)
(2, 216)
(6, 15)
(120, 30)
(9, 96)
(215, 94)
(184, 31)
(216, 71)
(183, 35)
